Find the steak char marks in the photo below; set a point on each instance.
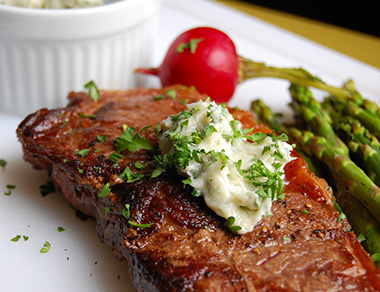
(302, 247)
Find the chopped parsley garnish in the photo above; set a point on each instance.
(260, 176)
(16, 238)
(204, 140)
(191, 46)
(3, 163)
(47, 188)
(81, 115)
(131, 141)
(230, 225)
(126, 212)
(83, 152)
(172, 93)
(105, 190)
(341, 216)
(361, 237)
(127, 215)
(102, 139)
(9, 188)
(93, 91)
(129, 177)
(46, 247)
(139, 165)
(158, 97)
(60, 229)
(80, 170)
(142, 226)
(114, 157)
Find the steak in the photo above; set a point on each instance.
(303, 246)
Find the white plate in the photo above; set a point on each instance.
(77, 260)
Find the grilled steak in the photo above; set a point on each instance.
(303, 246)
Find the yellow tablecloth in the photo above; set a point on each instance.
(363, 47)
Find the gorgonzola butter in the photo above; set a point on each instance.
(238, 178)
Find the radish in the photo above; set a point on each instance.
(203, 57)
(206, 58)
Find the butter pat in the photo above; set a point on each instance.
(238, 178)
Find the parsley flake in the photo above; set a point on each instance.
(126, 212)
(3, 163)
(131, 141)
(93, 91)
(114, 157)
(81, 115)
(9, 188)
(104, 191)
(191, 46)
(158, 97)
(361, 237)
(83, 152)
(341, 216)
(127, 215)
(102, 139)
(142, 226)
(129, 177)
(46, 247)
(230, 225)
(172, 93)
(16, 238)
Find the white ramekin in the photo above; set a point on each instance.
(45, 54)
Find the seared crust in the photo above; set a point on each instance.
(302, 247)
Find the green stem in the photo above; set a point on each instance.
(250, 69)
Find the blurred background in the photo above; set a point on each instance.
(361, 16)
(349, 27)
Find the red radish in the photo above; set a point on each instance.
(203, 57)
(206, 58)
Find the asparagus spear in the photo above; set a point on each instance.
(353, 130)
(358, 183)
(316, 118)
(370, 159)
(371, 107)
(266, 115)
(362, 222)
(371, 122)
